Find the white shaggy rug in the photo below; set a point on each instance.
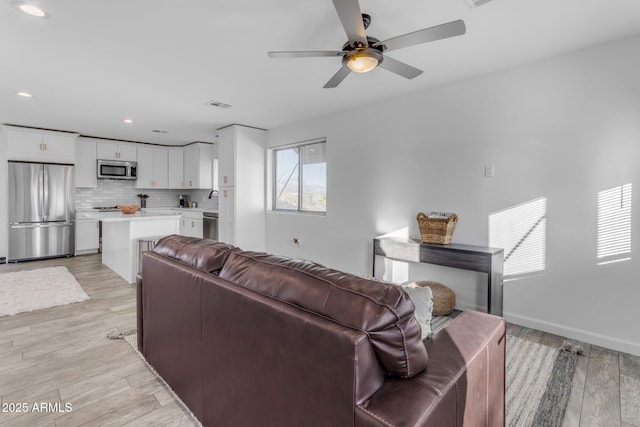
(30, 290)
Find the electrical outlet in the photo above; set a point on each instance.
(489, 171)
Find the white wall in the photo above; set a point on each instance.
(564, 128)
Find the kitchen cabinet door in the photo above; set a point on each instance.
(226, 215)
(196, 228)
(160, 167)
(86, 167)
(145, 168)
(191, 227)
(127, 152)
(59, 145)
(226, 157)
(87, 236)
(122, 151)
(40, 146)
(198, 160)
(176, 168)
(152, 167)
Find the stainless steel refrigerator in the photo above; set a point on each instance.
(41, 210)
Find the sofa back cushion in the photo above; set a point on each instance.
(203, 254)
(382, 310)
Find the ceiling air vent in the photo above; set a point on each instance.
(476, 3)
(160, 131)
(217, 104)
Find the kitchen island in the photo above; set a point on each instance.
(120, 234)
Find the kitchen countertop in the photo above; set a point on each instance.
(92, 214)
(198, 209)
(118, 216)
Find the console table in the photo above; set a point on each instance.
(466, 257)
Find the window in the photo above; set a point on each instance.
(614, 224)
(300, 178)
(522, 231)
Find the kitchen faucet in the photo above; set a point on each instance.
(213, 191)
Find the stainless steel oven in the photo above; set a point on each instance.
(210, 225)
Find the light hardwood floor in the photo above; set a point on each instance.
(62, 354)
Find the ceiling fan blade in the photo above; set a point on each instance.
(400, 68)
(337, 78)
(351, 18)
(305, 53)
(442, 31)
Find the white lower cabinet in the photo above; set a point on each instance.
(191, 227)
(191, 223)
(87, 236)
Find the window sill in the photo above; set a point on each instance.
(285, 212)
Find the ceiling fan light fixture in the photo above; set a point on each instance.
(363, 61)
(29, 9)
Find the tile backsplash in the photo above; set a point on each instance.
(114, 192)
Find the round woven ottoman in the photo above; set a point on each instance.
(444, 299)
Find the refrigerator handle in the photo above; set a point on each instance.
(45, 203)
(39, 211)
(40, 225)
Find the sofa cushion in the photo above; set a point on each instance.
(203, 254)
(380, 309)
(422, 299)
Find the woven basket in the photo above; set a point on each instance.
(128, 209)
(436, 230)
(443, 298)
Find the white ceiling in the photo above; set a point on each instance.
(93, 63)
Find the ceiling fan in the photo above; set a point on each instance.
(362, 53)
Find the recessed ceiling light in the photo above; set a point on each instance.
(29, 9)
(128, 121)
(24, 94)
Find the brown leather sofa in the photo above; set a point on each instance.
(252, 339)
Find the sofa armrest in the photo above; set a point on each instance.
(463, 384)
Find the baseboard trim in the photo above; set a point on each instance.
(624, 346)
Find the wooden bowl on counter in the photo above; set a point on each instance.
(128, 209)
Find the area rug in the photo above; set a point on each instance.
(29, 290)
(131, 337)
(538, 382)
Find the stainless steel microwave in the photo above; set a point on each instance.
(115, 169)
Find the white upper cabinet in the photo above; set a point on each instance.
(86, 166)
(123, 151)
(198, 159)
(40, 145)
(176, 168)
(152, 167)
(226, 157)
